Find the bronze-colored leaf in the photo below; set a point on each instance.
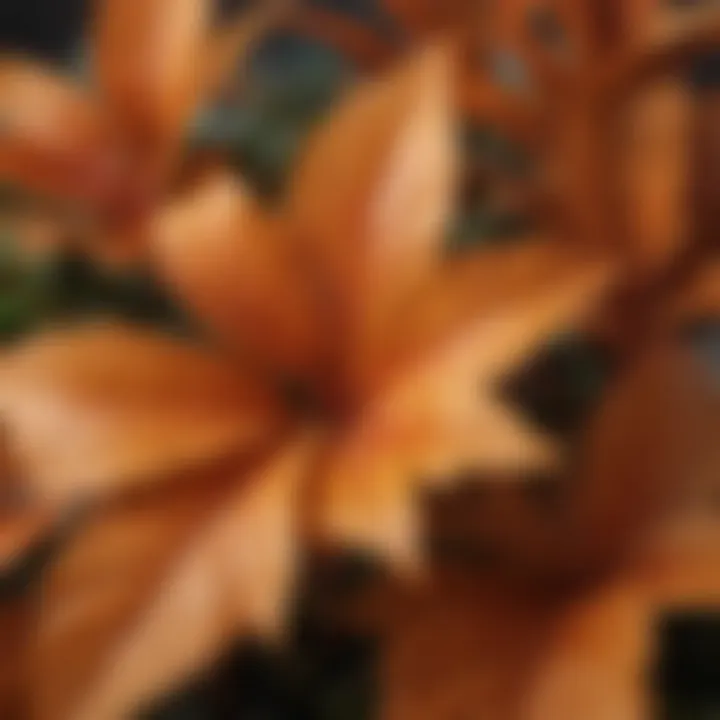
(647, 452)
(158, 587)
(440, 412)
(53, 138)
(481, 317)
(374, 190)
(103, 408)
(233, 263)
(519, 652)
(147, 57)
(370, 493)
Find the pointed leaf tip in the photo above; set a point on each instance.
(232, 263)
(95, 410)
(162, 585)
(147, 61)
(53, 137)
(374, 190)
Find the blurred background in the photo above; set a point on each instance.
(328, 672)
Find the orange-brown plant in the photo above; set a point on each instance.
(114, 148)
(349, 362)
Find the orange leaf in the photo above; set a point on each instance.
(604, 647)
(53, 139)
(233, 264)
(374, 191)
(101, 408)
(439, 412)
(648, 453)
(160, 586)
(147, 62)
(371, 489)
(483, 315)
(532, 652)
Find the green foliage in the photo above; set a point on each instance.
(24, 291)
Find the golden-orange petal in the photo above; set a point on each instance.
(53, 139)
(438, 411)
(368, 499)
(489, 311)
(490, 438)
(147, 54)
(376, 474)
(374, 190)
(232, 263)
(95, 409)
(155, 589)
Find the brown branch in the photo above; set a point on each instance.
(411, 15)
(362, 44)
(17, 620)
